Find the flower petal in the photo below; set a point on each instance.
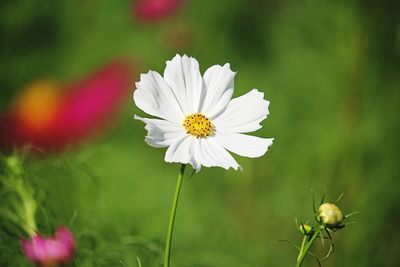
(244, 145)
(28, 249)
(243, 114)
(219, 89)
(155, 97)
(211, 154)
(183, 76)
(199, 152)
(179, 150)
(161, 133)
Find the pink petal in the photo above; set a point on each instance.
(92, 101)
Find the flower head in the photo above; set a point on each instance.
(50, 251)
(48, 117)
(197, 118)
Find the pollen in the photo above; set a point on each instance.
(198, 125)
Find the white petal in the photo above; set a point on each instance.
(212, 154)
(155, 97)
(161, 133)
(244, 145)
(199, 152)
(181, 151)
(183, 76)
(243, 114)
(219, 89)
(196, 157)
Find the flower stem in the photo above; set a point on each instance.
(305, 246)
(167, 255)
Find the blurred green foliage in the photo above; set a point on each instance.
(331, 71)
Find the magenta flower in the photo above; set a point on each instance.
(50, 251)
(50, 116)
(153, 10)
(91, 102)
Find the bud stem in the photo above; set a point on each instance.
(302, 247)
(306, 245)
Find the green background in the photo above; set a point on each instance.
(331, 70)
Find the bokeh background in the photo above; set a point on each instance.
(331, 70)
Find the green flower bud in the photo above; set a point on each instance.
(305, 229)
(330, 215)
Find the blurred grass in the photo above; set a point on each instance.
(330, 70)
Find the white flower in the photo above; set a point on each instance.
(197, 119)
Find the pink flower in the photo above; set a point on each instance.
(50, 116)
(50, 251)
(153, 10)
(91, 102)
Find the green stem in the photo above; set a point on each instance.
(167, 255)
(27, 208)
(302, 247)
(305, 248)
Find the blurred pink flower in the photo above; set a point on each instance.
(153, 10)
(47, 117)
(92, 101)
(50, 251)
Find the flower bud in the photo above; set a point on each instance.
(305, 229)
(330, 214)
(50, 251)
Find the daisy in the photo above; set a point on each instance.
(198, 121)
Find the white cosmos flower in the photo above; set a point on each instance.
(197, 119)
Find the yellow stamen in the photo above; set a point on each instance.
(198, 125)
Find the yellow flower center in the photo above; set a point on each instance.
(198, 125)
